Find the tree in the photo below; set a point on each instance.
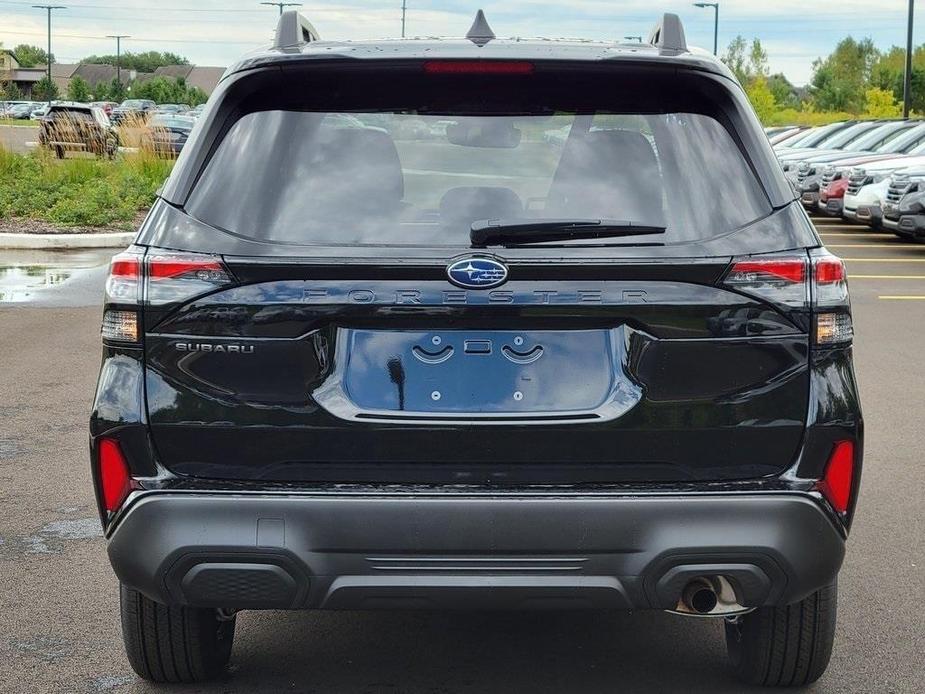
(116, 91)
(168, 90)
(78, 89)
(881, 104)
(888, 72)
(30, 56)
(785, 94)
(142, 62)
(44, 90)
(762, 99)
(10, 91)
(101, 92)
(839, 81)
(746, 62)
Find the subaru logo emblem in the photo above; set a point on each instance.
(477, 273)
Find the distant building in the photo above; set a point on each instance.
(206, 78)
(23, 77)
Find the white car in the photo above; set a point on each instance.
(868, 185)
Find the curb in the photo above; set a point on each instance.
(65, 241)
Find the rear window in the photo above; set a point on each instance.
(70, 114)
(416, 177)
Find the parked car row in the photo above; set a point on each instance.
(22, 110)
(71, 126)
(864, 171)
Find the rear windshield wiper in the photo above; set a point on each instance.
(512, 232)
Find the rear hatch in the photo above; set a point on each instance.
(317, 308)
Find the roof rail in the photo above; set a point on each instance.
(293, 29)
(668, 34)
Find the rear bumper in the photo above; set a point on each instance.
(831, 206)
(911, 226)
(293, 551)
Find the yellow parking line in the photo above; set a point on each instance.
(886, 277)
(902, 298)
(884, 260)
(874, 245)
(856, 235)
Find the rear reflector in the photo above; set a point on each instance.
(839, 476)
(120, 326)
(115, 481)
(478, 67)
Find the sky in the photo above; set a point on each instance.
(216, 32)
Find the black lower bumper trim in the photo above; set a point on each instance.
(446, 551)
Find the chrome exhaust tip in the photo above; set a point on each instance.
(709, 596)
(699, 596)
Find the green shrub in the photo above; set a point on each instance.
(79, 191)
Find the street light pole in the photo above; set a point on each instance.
(715, 6)
(281, 5)
(48, 9)
(907, 79)
(118, 38)
(404, 10)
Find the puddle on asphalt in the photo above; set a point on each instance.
(25, 275)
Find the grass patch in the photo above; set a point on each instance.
(11, 121)
(84, 192)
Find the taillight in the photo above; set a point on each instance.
(478, 67)
(172, 277)
(837, 483)
(830, 295)
(780, 280)
(115, 480)
(163, 277)
(818, 282)
(123, 288)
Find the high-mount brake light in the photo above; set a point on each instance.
(839, 476)
(479, 67)
(115, 479)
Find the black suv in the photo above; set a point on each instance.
(73, 127)
(444, 324)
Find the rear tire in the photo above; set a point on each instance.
(784, 646)
(169, 643)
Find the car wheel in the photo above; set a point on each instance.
(170, 643)
(784, 646)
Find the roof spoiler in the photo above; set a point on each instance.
(668, 34)
(294, 29)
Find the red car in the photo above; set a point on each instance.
(832, 197)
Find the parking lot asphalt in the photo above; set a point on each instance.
(59, 627)
(15, 137)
